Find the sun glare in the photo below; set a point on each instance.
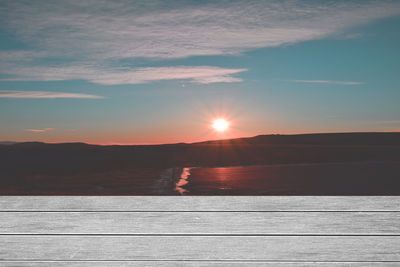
(220, 125)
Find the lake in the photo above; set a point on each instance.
(365, 178)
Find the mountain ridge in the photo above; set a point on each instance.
(306, 138)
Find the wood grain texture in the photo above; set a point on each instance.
(200, 231)
(260, 248)
(202, 223)
(199, 203)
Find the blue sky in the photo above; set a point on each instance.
(116, 72)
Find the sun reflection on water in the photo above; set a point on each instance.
(183, 179)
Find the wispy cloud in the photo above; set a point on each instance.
(217, 79)
(43, 94)
(126, 29)
(39, 130)
(330, 82)
(198, 74)
(388, 122)
(104, 33)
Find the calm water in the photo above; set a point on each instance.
(371, 178)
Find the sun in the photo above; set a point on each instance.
(220, 125)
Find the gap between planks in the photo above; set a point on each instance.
(199, 263)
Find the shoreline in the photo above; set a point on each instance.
(166, 183)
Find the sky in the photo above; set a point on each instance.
(151, 72)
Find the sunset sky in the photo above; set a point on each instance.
(149, 72)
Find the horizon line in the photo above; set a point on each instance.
(188, 143)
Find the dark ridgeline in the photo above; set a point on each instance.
(392, 138)
(7, 143)
(78, 168)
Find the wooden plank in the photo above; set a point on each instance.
(239, 223)
(260, 248)
(200, 203)
(193, 263)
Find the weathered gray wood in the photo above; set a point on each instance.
(254, 223)
(108, 220)
(264, 248)
(199, 203)
(196, 263)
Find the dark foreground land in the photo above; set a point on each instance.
(369, 165)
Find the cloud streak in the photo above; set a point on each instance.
(43, 94)
(104, 34)
(198, 74)
(389, 122)
(39, 130)
(330, 82)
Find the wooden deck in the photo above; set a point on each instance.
(200, 231)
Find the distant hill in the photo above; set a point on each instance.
(262, 149)
(7, 143)
(356, 138)
(390, 138)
